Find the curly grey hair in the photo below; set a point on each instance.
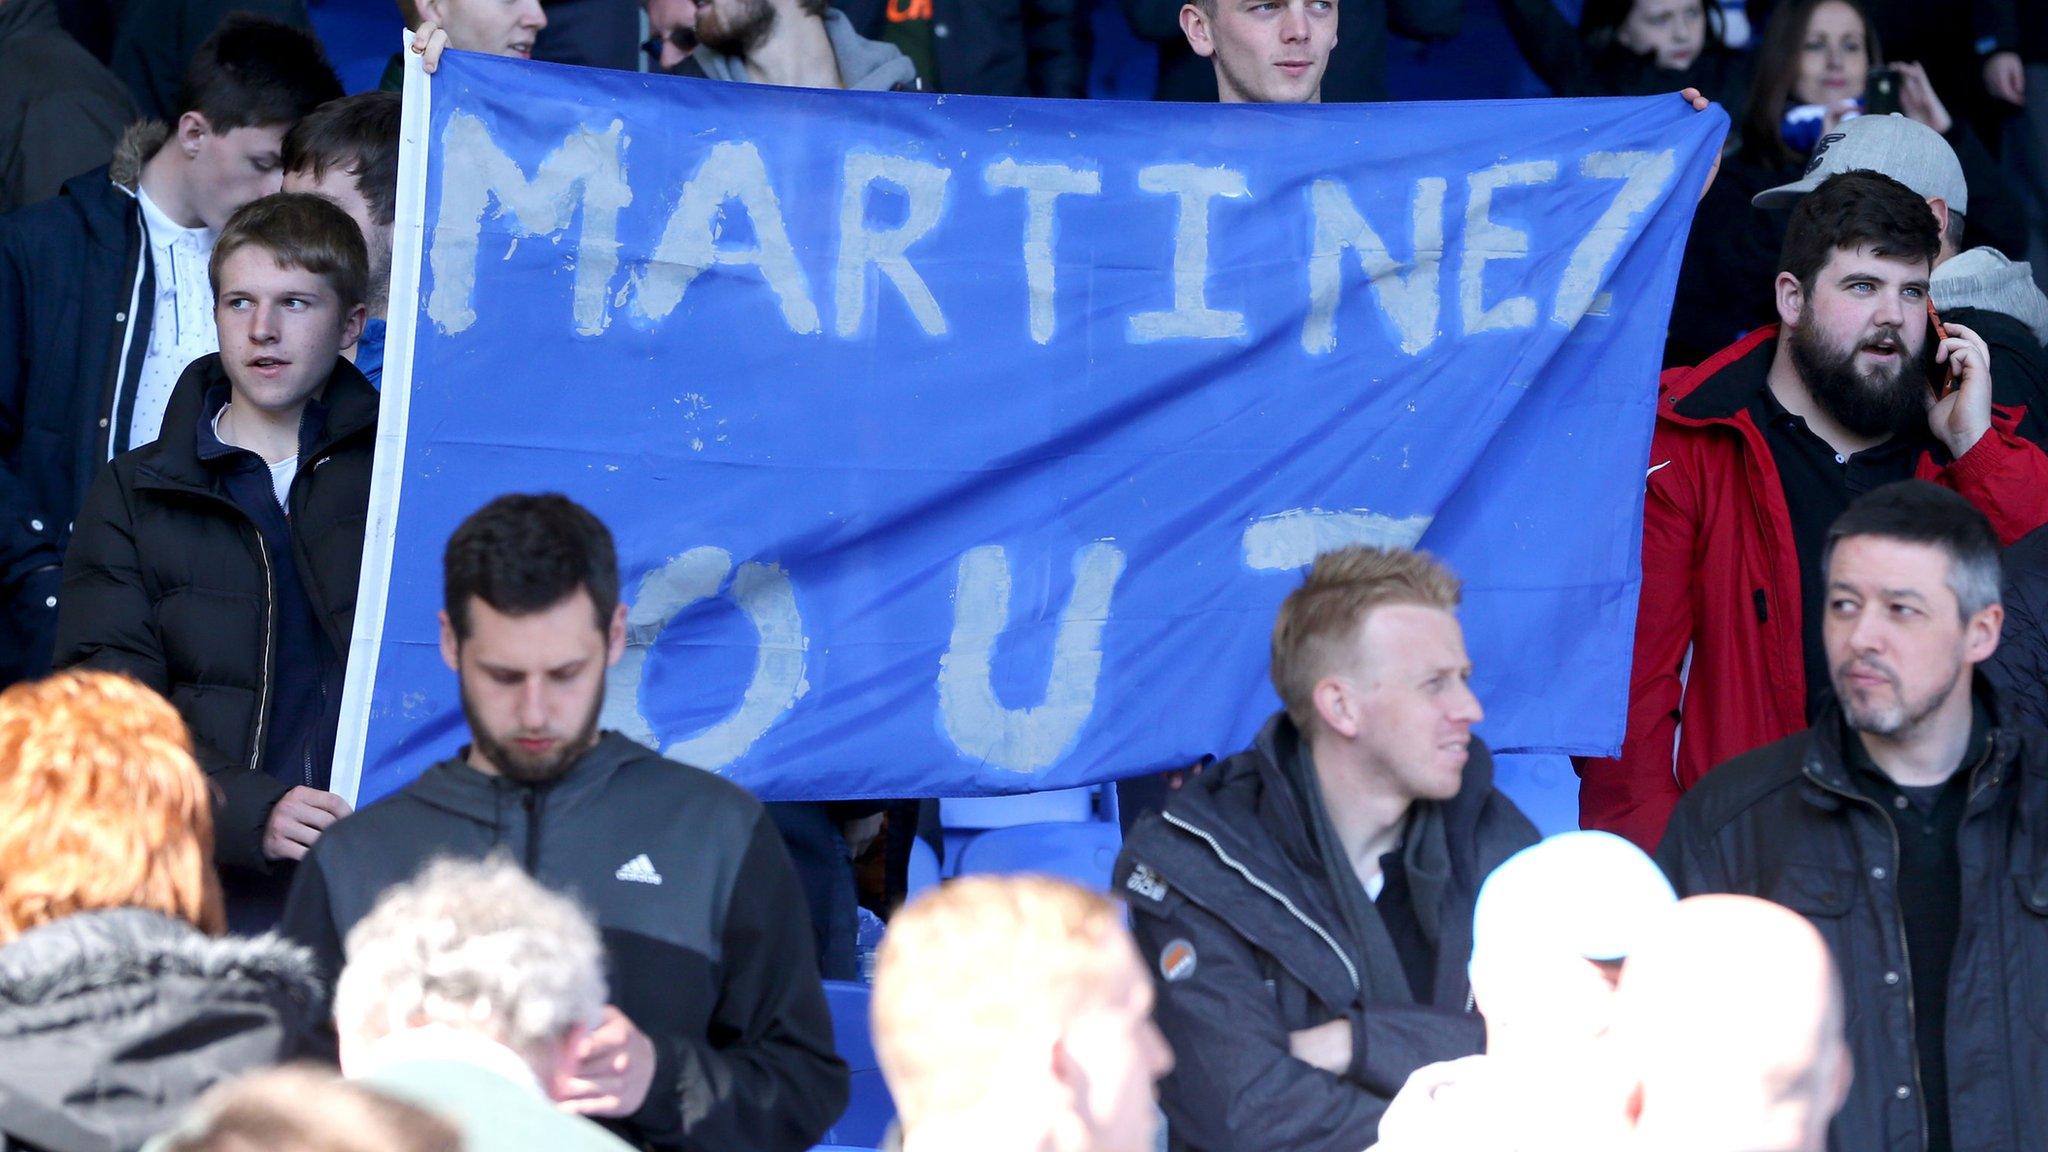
(476, 945)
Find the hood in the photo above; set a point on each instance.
(1257, 779)
(1985, 278)
(137, 144)
(865, 65)
(453, 786)
(114, 1021)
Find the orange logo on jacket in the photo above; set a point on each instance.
(904, 11)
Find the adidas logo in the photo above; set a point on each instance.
(640, 870)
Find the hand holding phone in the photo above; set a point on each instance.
(1942, 378)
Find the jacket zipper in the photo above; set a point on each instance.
(135, 305)
(1349, 968)
(269, 627)
(1905, 950)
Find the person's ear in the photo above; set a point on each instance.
(1791, 299)
(1072, 1128)
(1981, 632)
(435, 10)
(352, 327)
(451, 648)
(1336, 703)
(615, 637)
(1194, 24)
(191, 133)
(1940, 209)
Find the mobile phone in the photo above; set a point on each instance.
(1881, 92)
(1941, 378)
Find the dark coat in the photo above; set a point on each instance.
(707, 943)
(2019, 669)
(1358, 64)
(1785, 823)
(111, 1023)
(61, 111)
(1228, 881)
(69, 268)
(997, 47)
(169, 581)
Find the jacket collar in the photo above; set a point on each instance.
(175, 460)
(90, 954)
(1827, 763)
(455, 786)
(1720, 388)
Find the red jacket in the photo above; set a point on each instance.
(1721, 587)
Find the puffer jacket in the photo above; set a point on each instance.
(112, 1022)
(72, 341)
(1233, 911)
(1786, 823)
(170, 582)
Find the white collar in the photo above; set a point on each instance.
(164, 231)
(442, 1042)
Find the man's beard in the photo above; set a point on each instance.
(520, 767)
(1878, 402)
(1897, 719)
(752, 21)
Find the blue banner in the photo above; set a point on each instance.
(966, 446)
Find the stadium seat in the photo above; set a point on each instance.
(1023, 808)
(924, 868)
(1082, 852)
(869, 1110)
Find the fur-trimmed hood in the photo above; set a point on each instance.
(139, 141)
(114, 1021)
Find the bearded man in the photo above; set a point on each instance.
(718, 1037)
(1756, 452)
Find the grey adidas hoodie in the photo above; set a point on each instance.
(1986, 278)
(866, 65)
(708, 946)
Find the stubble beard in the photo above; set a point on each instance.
(521, 768)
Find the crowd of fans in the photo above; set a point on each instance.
(1343, 936)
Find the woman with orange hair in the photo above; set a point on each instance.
(119, 1003)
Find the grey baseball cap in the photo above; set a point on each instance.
(1894, 145)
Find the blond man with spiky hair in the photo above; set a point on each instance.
(1306, 905)
(1012, 1013)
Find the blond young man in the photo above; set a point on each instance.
(1306, 905)
(218, 565)
(1012, 1012)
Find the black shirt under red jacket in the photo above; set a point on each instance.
(1718, 625)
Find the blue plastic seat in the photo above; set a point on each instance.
(869, 1108)
(924, 868)
(1082, 852)
(1023, 808)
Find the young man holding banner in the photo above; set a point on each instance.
(717, 1038)
(219, 564)
(1306, 905)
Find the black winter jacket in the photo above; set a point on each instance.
(112, 1022)
(70, 269)
(707, 940)
(997, 47)
(1246, 939)
(170, 582)
(1786, 823)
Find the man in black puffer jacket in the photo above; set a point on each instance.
(218, 565)
(1910, 825)
(1306, 905)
